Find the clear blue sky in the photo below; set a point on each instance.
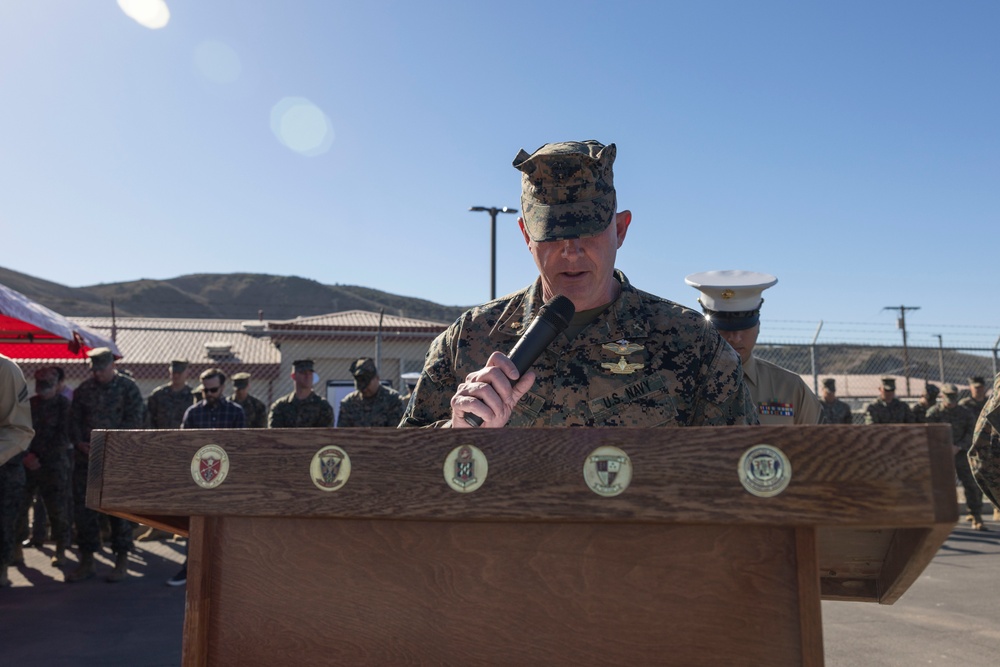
(850, 148)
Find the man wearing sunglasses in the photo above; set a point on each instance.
(212, 411)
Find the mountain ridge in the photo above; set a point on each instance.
(221, 296)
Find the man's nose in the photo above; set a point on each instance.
(571, 247)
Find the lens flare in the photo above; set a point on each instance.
(152, 14)
(301, 126)
(217, 62)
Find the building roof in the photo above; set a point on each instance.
(145, 340)
(357, 320)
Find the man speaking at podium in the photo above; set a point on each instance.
(627, 358)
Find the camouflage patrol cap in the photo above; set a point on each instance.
(931, 390)
(300, 365)
(949, 389)
(363, 370)
(567, 189)
(100, 358)
(178, 365)
(830, 384)
(241, 380)
(889, 384)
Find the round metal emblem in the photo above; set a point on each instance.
(210, 466)
(465, 468)
(330, 468)
(607, 471)
(765, 471)
(728, 294)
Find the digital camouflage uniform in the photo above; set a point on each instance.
(963, 423)
(254, 409)
(115, 405)
(976, 407)
(984, 454)
(920, 412)
(893, 412)
(385, 408)
(50, 419)
(836, 412)
(166, 407)
(644, 361)
(290, 412)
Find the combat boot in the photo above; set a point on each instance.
(4, 579)
(85, 570)
(996, 513)
(59, 558)
(121, 567)
(977, 524)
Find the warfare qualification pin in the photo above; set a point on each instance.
(330, 468)
(764, 471)
(210, 466)
(465, 468)
(607, 471)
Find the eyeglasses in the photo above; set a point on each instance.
(213, 390)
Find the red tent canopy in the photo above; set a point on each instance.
(29, 330)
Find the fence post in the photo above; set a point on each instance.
(812, 355)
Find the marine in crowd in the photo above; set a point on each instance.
(106, 400)
(731, 301)
(168, 402)
(16, 433)
(976, 400)
(984, 453)
(628, 358)
(835, 411)
(303, 408)
(888, 409)
(927, 401)
(371, 403)
(47, 461)
(963, 424)
(253, 408)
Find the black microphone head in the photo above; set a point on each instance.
(557, 311)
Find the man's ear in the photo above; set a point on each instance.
(622, 220)
(524, 231)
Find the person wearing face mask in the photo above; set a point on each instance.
(47, 463)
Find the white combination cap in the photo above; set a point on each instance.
(731, 299)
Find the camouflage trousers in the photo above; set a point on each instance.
(973, 494)
(88, 521)
(11, 499)
(52, 483)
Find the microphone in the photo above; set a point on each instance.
(552, 319)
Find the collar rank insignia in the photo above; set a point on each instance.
(622, 347)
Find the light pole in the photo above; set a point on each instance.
(901, 324)
(941, 356)
(493, 210)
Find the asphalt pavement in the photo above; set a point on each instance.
(949, 616)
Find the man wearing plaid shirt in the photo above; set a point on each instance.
(213, 411)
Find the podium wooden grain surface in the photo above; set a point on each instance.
(685, 567)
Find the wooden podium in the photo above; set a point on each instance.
(684, 567)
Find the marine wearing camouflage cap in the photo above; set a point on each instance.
(567, 189)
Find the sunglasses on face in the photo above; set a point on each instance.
(212, 390)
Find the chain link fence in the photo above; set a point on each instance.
(266, 350)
